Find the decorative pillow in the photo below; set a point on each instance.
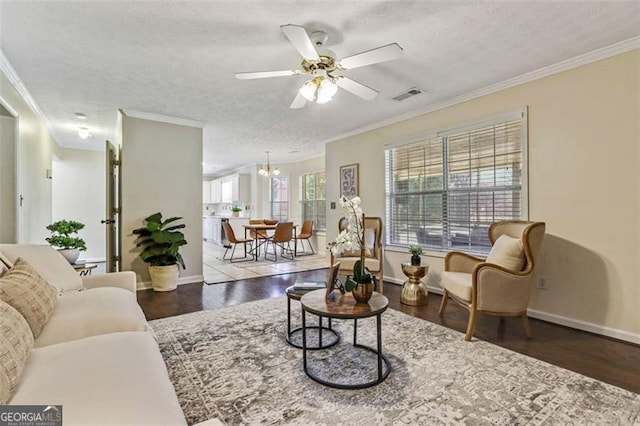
(29, 294)
(16, 342)
(508, 253)
(48, 262)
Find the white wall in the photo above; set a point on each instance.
(161, 172)
(35, 149)
(584, 182)
(78, 193)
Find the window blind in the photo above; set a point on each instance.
(443, 191)
(313, 199)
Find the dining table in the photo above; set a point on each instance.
(256, 227)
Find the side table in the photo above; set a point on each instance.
(84, 269)
(344, 306)
(414, 291)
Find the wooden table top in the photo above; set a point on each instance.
(343, 305)
(258, 227)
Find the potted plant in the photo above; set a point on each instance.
(415, 251)
(161, 242)
(352, 238)
(61, 238)
(236, 211)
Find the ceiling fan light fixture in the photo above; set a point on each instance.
(326, 90)
(308, 90)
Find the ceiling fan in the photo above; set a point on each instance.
(321, 64)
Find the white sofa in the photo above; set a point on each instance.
(96, 356)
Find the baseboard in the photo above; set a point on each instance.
(585, 326)
(558, 319)
(146, 285)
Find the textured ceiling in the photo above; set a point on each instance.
(179, 58)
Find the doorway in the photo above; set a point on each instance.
(8, 177)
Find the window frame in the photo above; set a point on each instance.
(318, 202)
(272, 202)
(444, 133)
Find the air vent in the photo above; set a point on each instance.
(409, 93)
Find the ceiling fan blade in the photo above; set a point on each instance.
(299, 102)
(265, 74)
(298, 36)
(373, 56)
(358, 89)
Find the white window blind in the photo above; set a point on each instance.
(280, 198)
(313, 199)
(443, 191)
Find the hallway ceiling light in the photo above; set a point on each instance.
(83, 132)
(266, 171)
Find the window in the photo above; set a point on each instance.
(444, 190)
(280, 198)
(313, 199)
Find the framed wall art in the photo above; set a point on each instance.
(349, 180)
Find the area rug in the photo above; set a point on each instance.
(233, 364)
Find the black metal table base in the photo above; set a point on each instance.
(290, 333)
(382, 360)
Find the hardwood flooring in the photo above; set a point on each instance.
(602, 358)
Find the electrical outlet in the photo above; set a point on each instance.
(542, 283)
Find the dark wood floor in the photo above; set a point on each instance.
(602, 358)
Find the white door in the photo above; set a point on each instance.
(8, 181)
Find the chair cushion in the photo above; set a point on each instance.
(16, 342)
(24, 289)
(92, 312)
(458, 284)
(50, 264)
(507, 252)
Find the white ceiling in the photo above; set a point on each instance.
(178, 59)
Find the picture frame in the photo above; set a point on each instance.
(349, 180)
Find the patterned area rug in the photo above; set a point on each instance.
(234, 364)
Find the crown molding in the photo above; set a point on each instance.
(9, 72)
(162, 118)
(568, 64)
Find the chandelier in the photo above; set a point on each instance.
(266, 171)
(320, 88)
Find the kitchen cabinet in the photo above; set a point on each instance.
(207, 227)
(216, 191)
(206, 192)
(236, 188)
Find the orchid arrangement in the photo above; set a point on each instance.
(352, 238)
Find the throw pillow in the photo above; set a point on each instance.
(16, 342)
(24, 289)
(508, 253)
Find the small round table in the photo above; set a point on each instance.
(414, 292)
(296, 294)
(344, 306)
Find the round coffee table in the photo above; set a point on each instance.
(344, 306)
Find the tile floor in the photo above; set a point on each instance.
(217, 270)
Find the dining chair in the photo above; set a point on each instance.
(305, 234)
(262, 235)
(281, 238)
(233, 242)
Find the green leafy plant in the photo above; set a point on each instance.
(61, 235)
(161, 243)
(236, 209)
(415, 250)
